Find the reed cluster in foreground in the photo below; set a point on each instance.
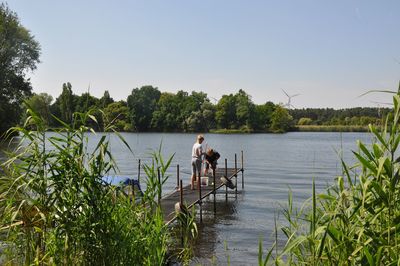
(55, 209)
(357, 220)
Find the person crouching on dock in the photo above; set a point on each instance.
(197, 153)
(211, 158)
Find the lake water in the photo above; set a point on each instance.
(273, 163)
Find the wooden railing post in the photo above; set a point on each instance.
(177, 176)
(181, 192)
(226, 176)
(242, 172)
(138, 172)
(235, 174)
(181, 206)
(200, 203)
(215, 192)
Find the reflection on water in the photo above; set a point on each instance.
(273, 164)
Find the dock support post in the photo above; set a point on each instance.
(215, 193)
(181, 192)
(181, 204)
(226, 175)
(200, 203)
(235, 175)
(138, 177)
(242, 172)
(177, 176)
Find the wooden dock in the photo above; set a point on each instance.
(185, 195)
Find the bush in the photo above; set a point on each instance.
(304, 121)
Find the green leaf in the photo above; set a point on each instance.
(371, 261)
(382, 194)
(378, 136)
(366, 163)
(365, 150)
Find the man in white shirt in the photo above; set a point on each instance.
(197, 153)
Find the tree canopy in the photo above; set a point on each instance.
(142, 103)
(148, 109)
(19, 54)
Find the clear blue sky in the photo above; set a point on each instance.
(328, 51)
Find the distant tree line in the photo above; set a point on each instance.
(358, 116)
(148, 109)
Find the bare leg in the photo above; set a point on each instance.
(192, 183)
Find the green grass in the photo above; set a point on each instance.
(230, 131)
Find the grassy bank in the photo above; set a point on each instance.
(231, 131)
(332, 128)
(303, 128)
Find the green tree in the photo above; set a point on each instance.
(66, 103)
(304, 121)
(117, 113)
(142, 103)
(263, 113)
(106, 99)
(281, 119)
(190, 106)
(165, 118)
(195, 122)
(236, 111)
(245, 110)
(86, 102)
(19, 53)
(40, 104)
(208, 113)
(226, 112)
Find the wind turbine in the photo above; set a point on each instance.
(289, 102)
(379, 106)
(214, 99)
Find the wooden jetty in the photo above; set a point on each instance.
(188, 197)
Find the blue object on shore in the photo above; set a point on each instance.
(133, 182)
(122, 181)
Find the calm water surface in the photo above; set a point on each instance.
(273, 163)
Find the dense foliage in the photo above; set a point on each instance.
(19, 53)
(358, 116)
(357, 220)
(148, 109)
(55, 208)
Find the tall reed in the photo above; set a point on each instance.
(357, 220)
(55, 208)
